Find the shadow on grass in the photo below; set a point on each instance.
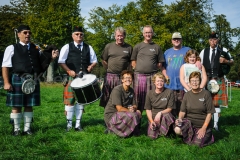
(224, 123)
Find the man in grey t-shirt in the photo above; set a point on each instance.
(147, 59)
(115, 59)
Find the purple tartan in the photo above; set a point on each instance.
(167, 120)
(221, 97)
(189, 134)
(17, 98)
(124, 123)
(142, 84)
(110, 81)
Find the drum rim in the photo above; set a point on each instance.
(84, 85)
(91, 101)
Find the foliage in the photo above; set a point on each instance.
(102, 23)
(191, 18)
(50, 141)
(52, 21)
(222, 27)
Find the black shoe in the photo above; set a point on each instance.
(28, 132)
(68, 129)
(16, 133)
(106, 131)
(79, 129)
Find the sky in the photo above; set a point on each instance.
(230, 8)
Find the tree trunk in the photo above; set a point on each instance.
(50, 72)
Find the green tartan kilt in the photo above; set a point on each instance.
(17, 98)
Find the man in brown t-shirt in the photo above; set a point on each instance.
(115, 59)
(147, 59)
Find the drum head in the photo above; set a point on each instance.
(83, 82)
(213, 86)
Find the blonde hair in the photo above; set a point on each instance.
(159, 75)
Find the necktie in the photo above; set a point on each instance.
(213, 56)
(79, 46)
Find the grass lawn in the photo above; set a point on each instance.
(50, 141)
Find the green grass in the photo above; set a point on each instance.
(50, 141)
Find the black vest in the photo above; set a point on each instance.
(78, 60)
(24, 60)
(216, 71)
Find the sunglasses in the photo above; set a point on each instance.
(77, 34)
(27, 32)
(176, 39)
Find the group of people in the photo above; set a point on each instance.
(170, 86)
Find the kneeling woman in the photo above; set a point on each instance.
(121, 115)
(195, 114)
(159, 104)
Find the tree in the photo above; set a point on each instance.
(191, 18)
(51, 21)
(222, 27)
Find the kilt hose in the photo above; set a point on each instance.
(68, 93)
(189, 134)
(124, 123)
(110, 81)
(220, 98)
(17, 98)
(142, 84)
(167, 121)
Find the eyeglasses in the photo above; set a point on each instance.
(176, 39)
(77, 34)
(194, 81)
(27, 32)
(147, 32)
(128, 78)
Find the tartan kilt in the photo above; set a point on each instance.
(167, 121)
(142, 84)
(124, 123)
(68, 93)
(17, 98)
(110, 81)
(189, 134)
(220, 98)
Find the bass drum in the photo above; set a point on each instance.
(86, 89)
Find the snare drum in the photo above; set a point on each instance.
(86, 89)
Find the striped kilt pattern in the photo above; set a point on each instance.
(68, 93)
(189, 134)
(124, 123)
(167, 120)
(221, 97)
(17, 98)
(110, 81)
(142, 84)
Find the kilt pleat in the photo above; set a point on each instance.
(17, 98)
(68, 93)
(221, 97)
(189, 134)
(110, 81)
(142, 84)
(123, 123)
(167, 120)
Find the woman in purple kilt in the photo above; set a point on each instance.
(193, 123)
(159, 104)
